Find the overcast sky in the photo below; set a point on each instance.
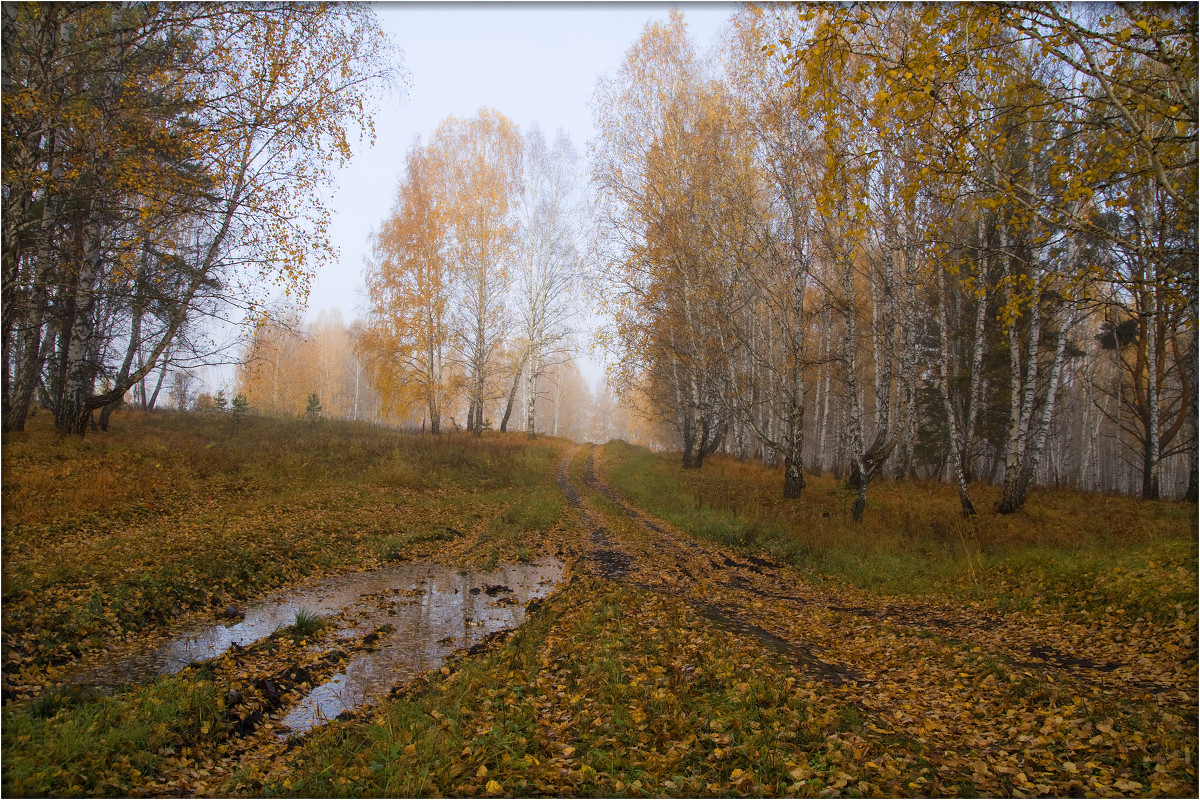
(532, 62)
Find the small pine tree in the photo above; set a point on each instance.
(219, 401)
(314, 406)
(240, 407)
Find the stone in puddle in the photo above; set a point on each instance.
(232, 612)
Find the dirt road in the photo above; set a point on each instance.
(986, 689)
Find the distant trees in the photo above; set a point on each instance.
(313, 409)
(472, 276)
(285, 364)
(548, 269)
(952, 240)
(161, 163)
(238, 408)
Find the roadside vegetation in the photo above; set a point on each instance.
(1075, 551)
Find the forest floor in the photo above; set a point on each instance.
(708, 639)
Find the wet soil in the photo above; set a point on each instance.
(683, 568)
(398, 622)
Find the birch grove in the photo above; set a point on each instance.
(954, 242)
(473, 283)
(951, 242)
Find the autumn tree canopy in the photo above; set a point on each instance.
(471, 281)
(163, 161)
(952, 239)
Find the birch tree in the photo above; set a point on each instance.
(658, 197)
(410, 283)
(548, 259)
(481, 162)
(195, 136)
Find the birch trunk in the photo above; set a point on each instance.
(531, 393)
(512, 395)
(1150, 464)
(828, 333)
(957, 444)
(1019, 401)
(1030, 465)
(1192, 493)
(25, 380)
(72, 414)
(1024, 455)
(793, 463)
(975, 397)
(858, 471)
(162, 376)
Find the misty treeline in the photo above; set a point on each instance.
(943, 241)
(954, 241)
(162, 168)
(286, 360)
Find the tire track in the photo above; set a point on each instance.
(911, 676)
(740, 580)
(607, 559)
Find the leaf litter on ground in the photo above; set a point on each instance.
(668, 665)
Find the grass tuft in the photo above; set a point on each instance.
(308, 623)
(105, 745)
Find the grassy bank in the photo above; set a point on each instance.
(168, 514)
(1070, 550)
(74, 742)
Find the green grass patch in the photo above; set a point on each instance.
(73, 742)
(538, 510)
(308, 624)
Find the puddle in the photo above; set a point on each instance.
(433, 610)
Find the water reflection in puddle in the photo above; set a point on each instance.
(434, 610)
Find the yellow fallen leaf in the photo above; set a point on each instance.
(492, 787)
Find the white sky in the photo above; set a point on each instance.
(532, 62)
